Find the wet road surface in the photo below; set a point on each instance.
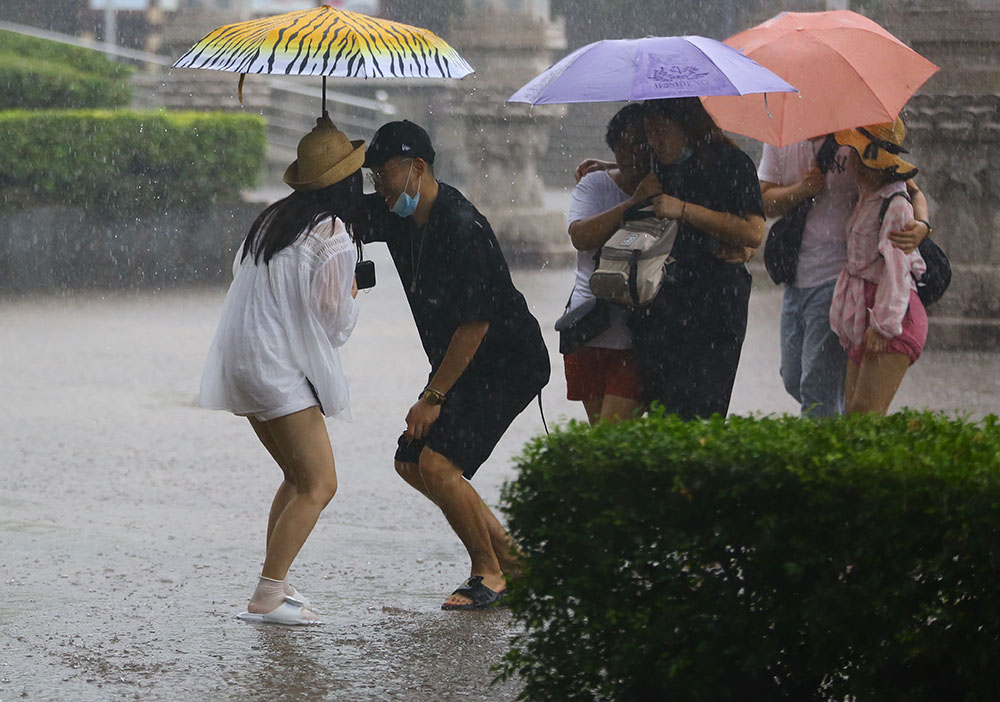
(132, 522)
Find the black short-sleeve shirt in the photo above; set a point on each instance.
(720, 177)
(702, 295)
(453, 272)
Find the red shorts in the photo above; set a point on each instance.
(910, 341)
(592, 373)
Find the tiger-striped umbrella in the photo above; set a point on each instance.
(325, 42)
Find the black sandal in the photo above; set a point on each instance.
(481, 596)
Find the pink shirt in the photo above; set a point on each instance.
(871, 256)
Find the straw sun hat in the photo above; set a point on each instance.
(879, 146)
(325, 156)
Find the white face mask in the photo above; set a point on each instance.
(406, 204)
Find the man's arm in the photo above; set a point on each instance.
(463, 346)
(779, 199)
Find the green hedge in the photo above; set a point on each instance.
(41, 74)
(760, 559)
(126, 161)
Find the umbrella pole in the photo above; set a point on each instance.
(324, 96)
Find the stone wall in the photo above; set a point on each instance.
(955, 142)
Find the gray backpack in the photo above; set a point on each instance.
(630, 265)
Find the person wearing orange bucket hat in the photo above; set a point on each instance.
(813, 176)
(274, 357)
(876, 311)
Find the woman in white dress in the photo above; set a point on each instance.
(274, 357)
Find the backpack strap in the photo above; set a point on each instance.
(886, 201)
(633, 275)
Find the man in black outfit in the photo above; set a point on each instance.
(485, 348)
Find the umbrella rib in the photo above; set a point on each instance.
(401, 48)
(358, 34)
(294, 32)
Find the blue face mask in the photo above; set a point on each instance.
(406, 204)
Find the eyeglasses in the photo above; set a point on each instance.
(375, 177)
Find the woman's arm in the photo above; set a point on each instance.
(729, 228)
(592, 232)
(909, 237)
(589, 165)
(892, 297)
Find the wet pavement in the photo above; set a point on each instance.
(132, 522)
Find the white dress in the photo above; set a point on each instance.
(280, 328)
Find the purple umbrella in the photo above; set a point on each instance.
(647, 69)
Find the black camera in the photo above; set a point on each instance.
(364, 273)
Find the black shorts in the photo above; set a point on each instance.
(472, 420)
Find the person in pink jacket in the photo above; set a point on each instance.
(876, 312)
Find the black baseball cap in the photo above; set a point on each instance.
(398, 139)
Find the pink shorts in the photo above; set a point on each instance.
(592, 373)
(910, 341)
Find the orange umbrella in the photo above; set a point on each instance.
(850, 72)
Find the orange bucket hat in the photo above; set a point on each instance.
(879, 147)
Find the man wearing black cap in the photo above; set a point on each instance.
(485, 348)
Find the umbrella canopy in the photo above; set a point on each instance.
(850, 72)
(324, 42)
(647, 69)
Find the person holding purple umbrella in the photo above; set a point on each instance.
(688, 340)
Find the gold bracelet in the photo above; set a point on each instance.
(432, 396)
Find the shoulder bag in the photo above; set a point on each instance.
(781, 249)
(584, 322)
(936, 279)
(631, 263)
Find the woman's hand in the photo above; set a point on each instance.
(875, 343)
(420, 418)
(731, 253)
(354, 287)
(908, 238)
(668, 207)
(589, 165)
(648, 187)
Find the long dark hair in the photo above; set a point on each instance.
(691, 116)
(281, 224)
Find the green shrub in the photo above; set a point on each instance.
(41, 74)
(85, 60)
(760, 559)
(31, 85)
(127, 162)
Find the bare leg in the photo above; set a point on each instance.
(504, 548)
(850, 383)
(286, 490)
(878, 379)
(615, 408)
(302, 442)
(466, 513)
(593, 408)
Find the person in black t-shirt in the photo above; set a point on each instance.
(688, 340)
(486, 353)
